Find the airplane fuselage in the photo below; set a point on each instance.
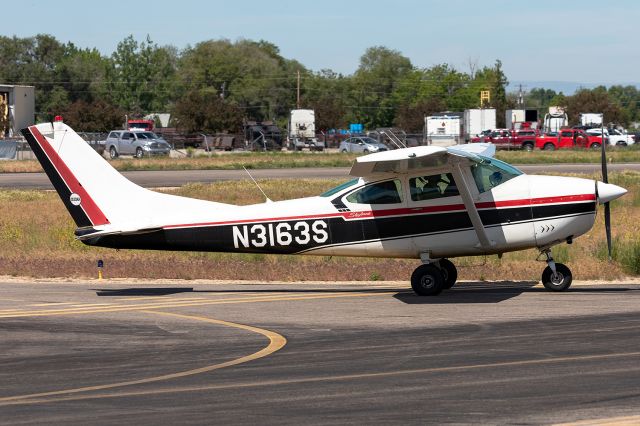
(515, 216)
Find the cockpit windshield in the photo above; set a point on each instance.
(490, 173)
(339, 188)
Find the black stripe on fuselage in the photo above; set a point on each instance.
(77, 213)
(220, 238)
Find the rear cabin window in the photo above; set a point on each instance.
(433, 186)
(387, 192)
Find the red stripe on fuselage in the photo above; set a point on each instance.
(408, 211)
(92, 210)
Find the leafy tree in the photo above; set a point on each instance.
(326, 92)
(374, 84)
(558, 100)
(628, 97)
(56, 102)
(539, 97)
(411, 117)
(596, 100)
(494, 80)
(95, 116)
(251, 74)
(83, 74)
(206, 111)
(32, 61)
(142, 75)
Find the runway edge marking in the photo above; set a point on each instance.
(276, 342)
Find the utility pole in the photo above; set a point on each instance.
(298, 101)
(520, 97)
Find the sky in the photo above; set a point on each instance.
(588, 42)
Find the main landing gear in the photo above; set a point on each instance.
(556, 276)
(429, 279)
(433, 276)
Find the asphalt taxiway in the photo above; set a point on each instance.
(168, 178)
(104, 352)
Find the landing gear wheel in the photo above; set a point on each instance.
(113, 153)
(427, 280)
(139, 153)
(449, 273)
(560, 281)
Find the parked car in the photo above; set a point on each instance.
(568, 138)
(361, 144)
(137, 143)
(510, 139)
(615, 136)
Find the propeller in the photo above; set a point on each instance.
(607, 209)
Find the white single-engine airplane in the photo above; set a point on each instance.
(429, 203)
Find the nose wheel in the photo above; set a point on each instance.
(556, 276)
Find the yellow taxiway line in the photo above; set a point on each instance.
(31, 399)
(276, 342)
(91, 309)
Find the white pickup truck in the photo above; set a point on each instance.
(616, 137)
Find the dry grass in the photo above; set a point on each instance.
(228, 161)
(36, 239)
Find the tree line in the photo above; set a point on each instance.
(215, 85)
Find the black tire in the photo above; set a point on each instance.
(366, 151)
(344, 150)
(449, 273)
(139, 153)
(560, 282)
(527, 146)
(427, 280)
(595, 145)
(549, 147)
(113, 153)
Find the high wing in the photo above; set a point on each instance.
(410, 160)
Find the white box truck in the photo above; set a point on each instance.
(444, 129)
(555, 119)
(590, 119)
(477, 120)
(512, 116)
(302, 130)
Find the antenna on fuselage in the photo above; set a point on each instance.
(267, 200)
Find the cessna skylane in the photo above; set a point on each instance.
(429, 203)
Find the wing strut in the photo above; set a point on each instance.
(467, 199)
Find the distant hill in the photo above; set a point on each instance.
(566, 87)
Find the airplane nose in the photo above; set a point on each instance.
(608, 192)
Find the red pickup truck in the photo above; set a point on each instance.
(510, 139)
(568, 138)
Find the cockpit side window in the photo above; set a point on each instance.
(491, 173)
(386, 192)
(433, 186)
